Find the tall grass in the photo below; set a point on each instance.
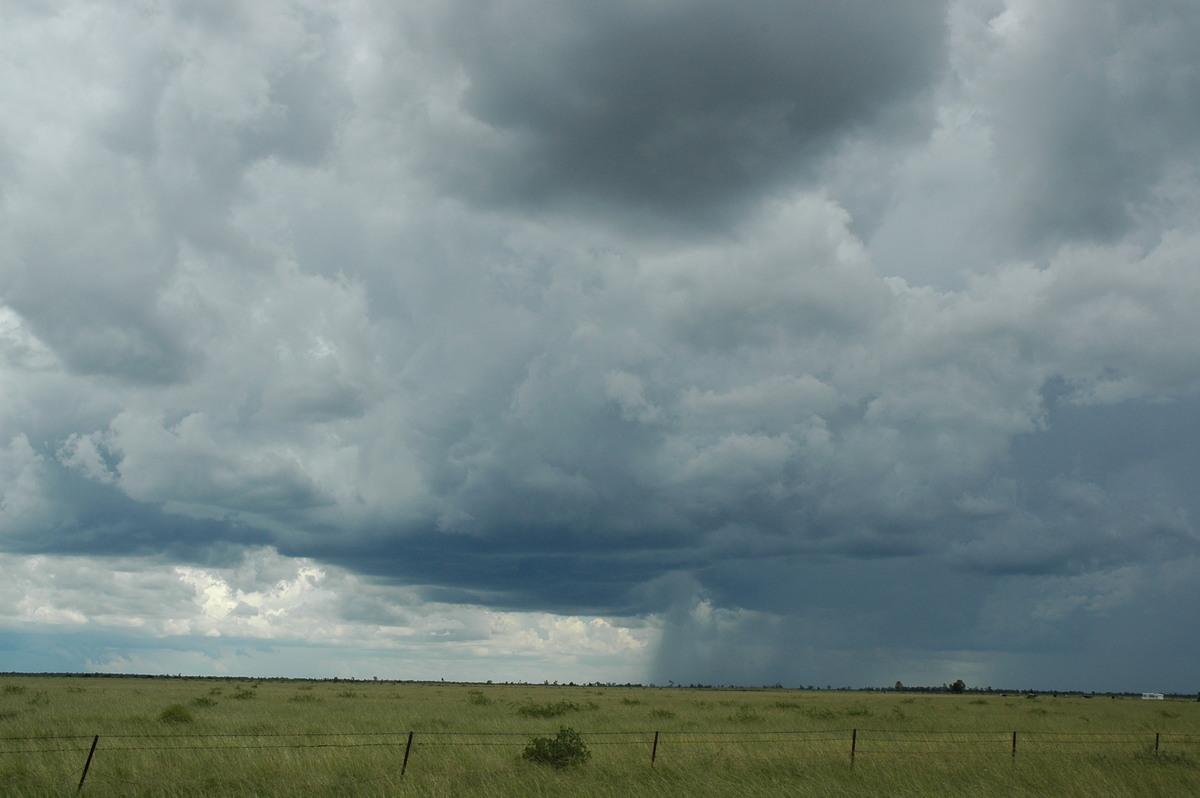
(194, 737)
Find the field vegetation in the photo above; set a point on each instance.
(200, 737)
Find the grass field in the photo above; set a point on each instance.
(193, 737)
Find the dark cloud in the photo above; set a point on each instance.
(86, 516)
(1101, 486)
(684, 110)
(802, 620)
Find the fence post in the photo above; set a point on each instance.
(407, 748)
(88, 764)
(853, 745)
(1156, 743)
(1014, 746)
(654, 750)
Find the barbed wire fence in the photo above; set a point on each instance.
(447, 752)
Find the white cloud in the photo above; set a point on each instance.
(280, 601)
(24, 504)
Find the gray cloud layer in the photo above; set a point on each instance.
(683, 110)
(552, 307)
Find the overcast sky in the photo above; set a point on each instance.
(814, 343)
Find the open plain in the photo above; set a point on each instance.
(198, 737)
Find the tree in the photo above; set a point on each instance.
(958, 686)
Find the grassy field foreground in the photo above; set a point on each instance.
(193, 737)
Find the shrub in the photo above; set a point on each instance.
(175, 713)
(477, 698)
(202, 701)
(304, 698)
(562, 751)
(553, 710)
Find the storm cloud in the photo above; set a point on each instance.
(684, 110)
(817, 343)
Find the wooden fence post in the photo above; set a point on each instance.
(853, 745)
(407, 749)
(654, 750)
(88, 764)
(1156, 743)
(1014, 746)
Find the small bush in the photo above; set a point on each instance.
(13, 689)
(665, 714)
(557, 709)
(562, 751)
(244, 694)
(202, 701)
(477, 698)
(304, 698)
(816, 713)
(176, 713)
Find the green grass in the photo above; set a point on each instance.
(198, 737)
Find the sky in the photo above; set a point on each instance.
(675, 341)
